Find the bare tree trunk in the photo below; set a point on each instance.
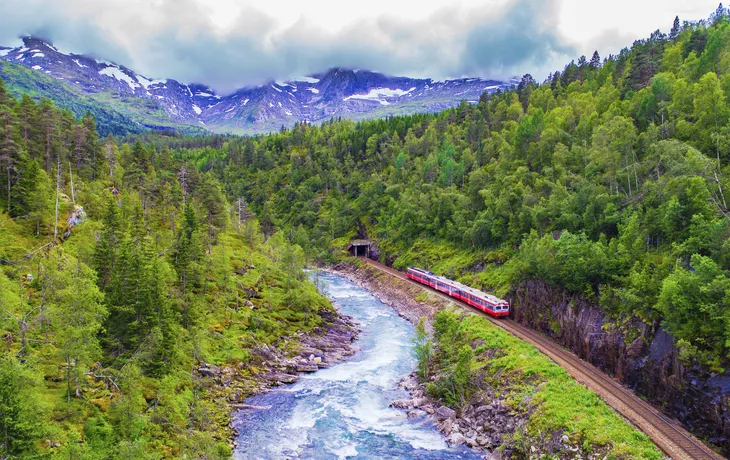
(48, 149)
(71, 176)
(628, 172)
(58, 185)
(8, 184)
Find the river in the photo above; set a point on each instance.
(342, 412)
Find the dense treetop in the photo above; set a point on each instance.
(609, 179)
(122, 271)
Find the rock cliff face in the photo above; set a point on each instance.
(642, 356)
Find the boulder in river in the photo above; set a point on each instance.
(307, 367)
(444, 412)
(402, 404)
(456, 439)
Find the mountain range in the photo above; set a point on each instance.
(128, 102)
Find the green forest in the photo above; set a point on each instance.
(106, 315)
(609, 179)
(125, 263)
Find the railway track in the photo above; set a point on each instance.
(666, 433)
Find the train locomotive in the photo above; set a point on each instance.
(489, 304)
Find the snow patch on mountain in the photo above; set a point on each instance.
(307, 79)
(314, 90)
(117, 73)
(79, 64)
(378, 94)
(197, 109)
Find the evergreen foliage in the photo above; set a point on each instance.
(627, 159)
(105, 324)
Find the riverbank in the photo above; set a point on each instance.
(345, 410)
(524, 404)
(270, 366)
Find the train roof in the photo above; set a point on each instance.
(462, 287)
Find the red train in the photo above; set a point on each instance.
(487, 303)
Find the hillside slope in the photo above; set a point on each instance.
(607, 182)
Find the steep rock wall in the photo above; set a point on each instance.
(642, 356)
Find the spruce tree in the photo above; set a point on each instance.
(188, 248)
(48, 132)
(107, 247)
(595, 60)
(8, 149)
(719, 14)
(676, 29)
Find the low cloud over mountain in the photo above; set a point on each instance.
(256, 46)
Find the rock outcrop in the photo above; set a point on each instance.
(643, 356)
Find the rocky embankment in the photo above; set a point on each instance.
(483, 424)
(399, 294)
(272, 366)
(642, 355)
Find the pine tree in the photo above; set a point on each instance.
(105, 254)
(595, 60)
(48, 132)
(719, 14)
(8, 148)
(27, 117)
(32, 193)
(20, 410)
(676, 29)
(213, 201)
(77, 314)
(188, 249)
(4, 96)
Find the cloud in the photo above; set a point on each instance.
(176, 39)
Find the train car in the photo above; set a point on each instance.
(480, 300)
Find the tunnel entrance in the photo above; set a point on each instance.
(359, 248)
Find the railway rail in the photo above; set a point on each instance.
(666, 433)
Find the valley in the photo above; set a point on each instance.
(163, 250)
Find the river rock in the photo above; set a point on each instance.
(307, 367)
(402, 404)
(456, 439)
(447, 426)
(412, 414)
(419, 402)
(445, 412)
(280, 377)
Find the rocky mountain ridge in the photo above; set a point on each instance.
(336, 93)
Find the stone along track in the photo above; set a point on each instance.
(666, 433)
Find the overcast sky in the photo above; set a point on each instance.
(231, 43)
